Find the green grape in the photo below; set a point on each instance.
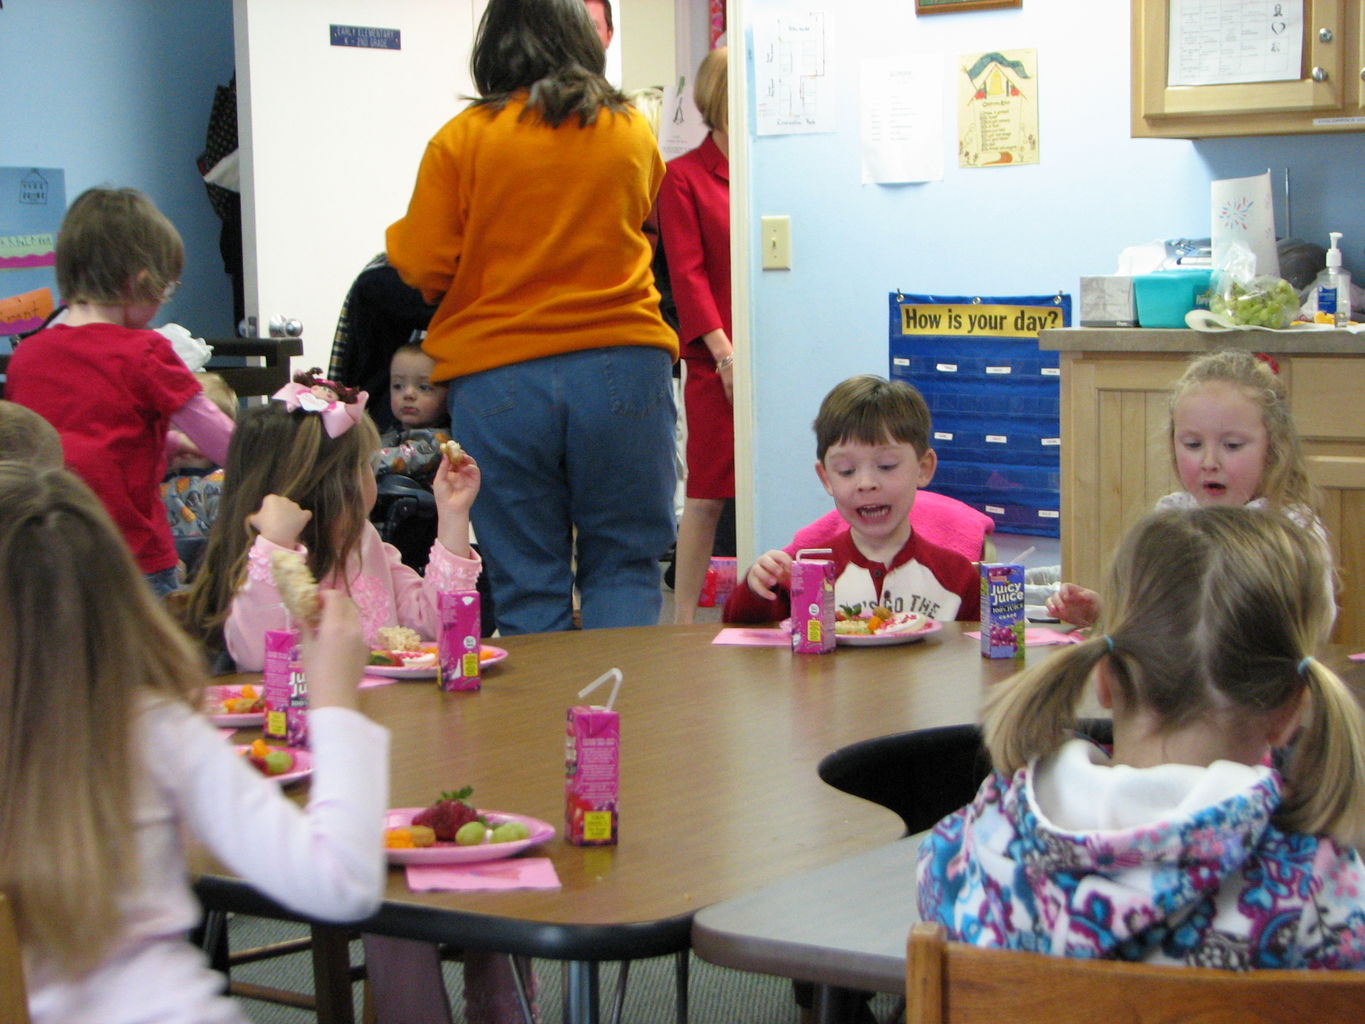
(471, 833)
(277, 762)
(510, 832)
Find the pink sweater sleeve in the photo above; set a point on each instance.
(255, 608)
(206, 425)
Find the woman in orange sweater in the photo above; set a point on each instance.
(526, 226)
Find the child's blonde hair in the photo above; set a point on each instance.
(711, 92)
(1284, 482)
(275, 451)
(85, 643)
(219, 392)
(27, 437)
(1209, 613)
(870, 409)
(115, 246)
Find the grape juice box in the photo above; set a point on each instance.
(726, 570)
(592, 775)
(1002, 610)
(458, 645)
(277, 680)
(812, 603)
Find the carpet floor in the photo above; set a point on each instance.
(716, 995)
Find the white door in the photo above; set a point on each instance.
(330, 139)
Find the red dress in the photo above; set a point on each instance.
(694, 222)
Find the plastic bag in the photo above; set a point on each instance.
(1245, 298)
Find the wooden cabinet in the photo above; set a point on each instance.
(1328, 96)
(1116, 453)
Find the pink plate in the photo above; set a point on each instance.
(303, 765)
(429, 671)
(450, 853)
(886, 639)
(213, 707)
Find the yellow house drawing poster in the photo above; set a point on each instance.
(997, 110)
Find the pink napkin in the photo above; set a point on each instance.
(1042, 637)
(1357, 657)
(742, 636)
(225, 730)
(484, 875)
(370, 681)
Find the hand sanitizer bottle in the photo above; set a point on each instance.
(1332, 289)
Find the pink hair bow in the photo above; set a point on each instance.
(337, 417)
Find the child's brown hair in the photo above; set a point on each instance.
(870, 409)
(27, 437)
(115, 246)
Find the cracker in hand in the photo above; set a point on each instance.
(453, 452)
(298, 590)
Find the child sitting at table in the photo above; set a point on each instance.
(299, 478)
(873, 455)
(27, 437)
(193, 483)
(1181, 846)
(1233, 442)
(108, 767)
(413, 447)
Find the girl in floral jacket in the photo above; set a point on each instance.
(1182, 845)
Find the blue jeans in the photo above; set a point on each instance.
(167, 581)
(578, 441)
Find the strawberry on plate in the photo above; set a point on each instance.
(447, 814)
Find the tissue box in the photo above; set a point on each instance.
(1108, 301)
(1165, 296)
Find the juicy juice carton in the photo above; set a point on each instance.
(726, 570)
(592, 775)
(1002, 610)
(458, 646)
(812, 602)
(277, 680)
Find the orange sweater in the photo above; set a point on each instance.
(531, 238)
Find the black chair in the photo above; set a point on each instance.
(926, 774)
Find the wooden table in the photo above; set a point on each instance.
(719, 792)
(843, 926)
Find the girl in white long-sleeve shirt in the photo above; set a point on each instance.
(107, 769)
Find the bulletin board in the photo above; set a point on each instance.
(32, 202)
(994, 397)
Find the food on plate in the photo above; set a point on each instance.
(471, 833)
(453, 452)
(298, 590)
(248, 701)
(268, 760)
(399, 638)
(422, 656)
(446, 816)
(880, 622)
(509, 832)
(409, 837)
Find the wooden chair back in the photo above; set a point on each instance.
(13, 992)
(951, 983)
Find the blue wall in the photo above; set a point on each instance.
(118, 92)
(1016, 230)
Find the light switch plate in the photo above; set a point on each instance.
(777, 243)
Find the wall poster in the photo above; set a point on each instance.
(997, 113)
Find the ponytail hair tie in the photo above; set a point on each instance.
(1303, 665)
(1109, 641)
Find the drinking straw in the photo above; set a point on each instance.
(608, 674)
(1023, 555)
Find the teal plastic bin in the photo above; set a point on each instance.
(1165, 296)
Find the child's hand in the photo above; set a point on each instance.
(455, 488)
(280, 520)
(334, 654)
(1075, 605)
(772, 569)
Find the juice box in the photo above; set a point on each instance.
(296, 715)
(592, 775)
(1002, 610)
(458, 645)
(726, 570)
(812, 602)
(277, 671)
